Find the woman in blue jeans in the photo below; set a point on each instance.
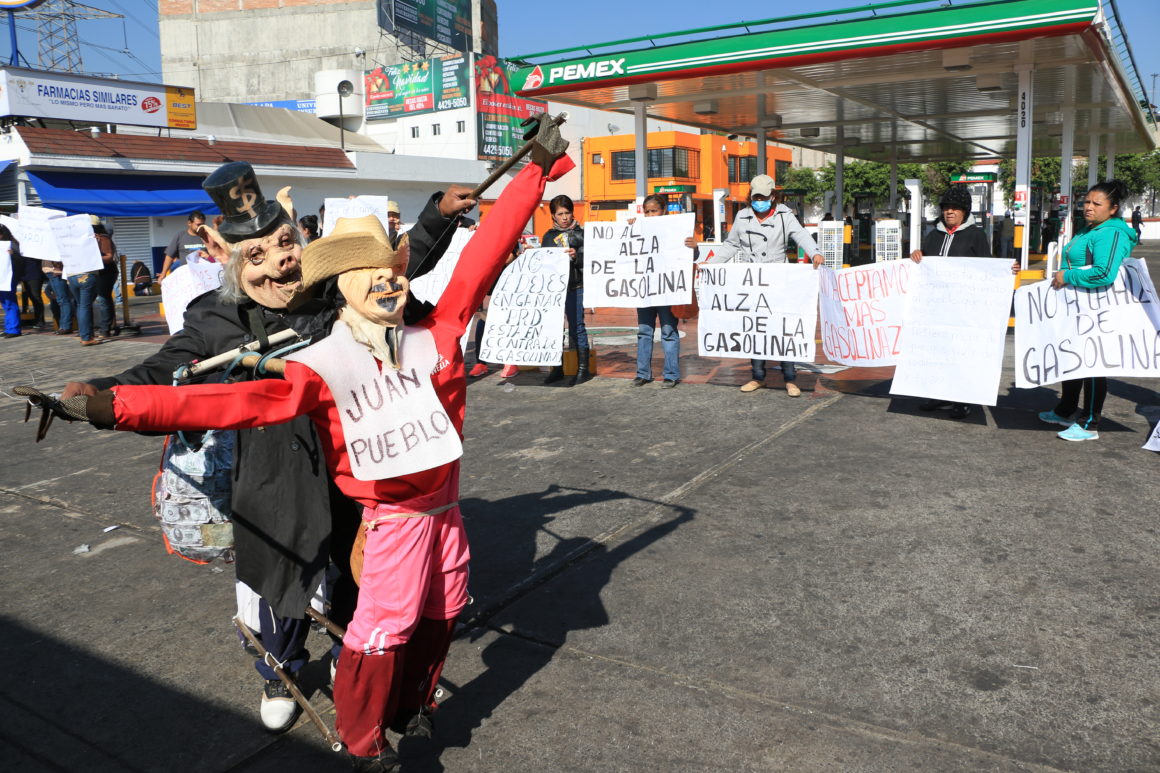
(654, 205)
(84, 292)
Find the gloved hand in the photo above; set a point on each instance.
(548, 144)
(97, 410)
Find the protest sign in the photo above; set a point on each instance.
(760, 311)
(35, 234)
(1075, 332)
(76, 244)
(359, 206)
(431, 285)
(953, 330)
(1153, 443)
(862, 311)
(525, 320)
(5, 266)
(637, 265)
(184, 284)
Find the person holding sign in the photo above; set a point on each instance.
(760, 234)
(569, 234)
(1091, 260)
(388, 402)
(956, 234)
(654, 205)
(9, 276)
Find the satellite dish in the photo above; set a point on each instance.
(345, 88)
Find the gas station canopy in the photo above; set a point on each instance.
(890, 81)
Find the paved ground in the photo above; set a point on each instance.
(681, 580)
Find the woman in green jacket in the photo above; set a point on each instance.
(1091, 260)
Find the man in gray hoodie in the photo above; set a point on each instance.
(760, 234)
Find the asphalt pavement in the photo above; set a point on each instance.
(691, 579)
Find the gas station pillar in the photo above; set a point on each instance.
(1093, 160)
(1021, 208)
(641, 94)
(1066, 154)
(1110, 154)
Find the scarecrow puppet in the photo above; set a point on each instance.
(388, 401)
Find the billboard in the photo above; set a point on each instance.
(500, 111)
(38, 94)
(445, 21)
(414, 88)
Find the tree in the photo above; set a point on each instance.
(805, 180)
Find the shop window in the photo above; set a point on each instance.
(662, 162)
(742, 169)
(780, 172)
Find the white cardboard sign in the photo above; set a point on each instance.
(359, 206)
(954, 329)
(638, 265)
(1074, 332)
(525, 320)
(862, 310)
(183, 285)
(5, 266)
(36, 236)
(76, 244)
(760, 311)
(431, 285)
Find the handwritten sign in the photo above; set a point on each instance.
(5, 266)
(634, 266)
(1074, 332)
(183, 285)
(359, 206)
(392, 420)
(34, 232)
(76, 244)
(954, 329)
(431, 285)
(525, 321)
(760, 311)
(862, 311)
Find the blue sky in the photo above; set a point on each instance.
(130, 47)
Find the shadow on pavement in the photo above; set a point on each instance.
(62, 709)
(575, 604)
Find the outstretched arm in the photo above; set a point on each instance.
(243, 405)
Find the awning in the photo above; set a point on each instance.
(121, 195)
(5, 164)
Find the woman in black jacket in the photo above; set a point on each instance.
(569, 234)
(956, 235)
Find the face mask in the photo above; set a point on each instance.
(761, 207)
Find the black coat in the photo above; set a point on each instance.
(968, 241)
(284, 506)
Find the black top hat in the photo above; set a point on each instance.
(248, 215)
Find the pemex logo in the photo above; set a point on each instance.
(535, 78)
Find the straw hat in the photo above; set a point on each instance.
(354, 243)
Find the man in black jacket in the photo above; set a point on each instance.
(288, 517)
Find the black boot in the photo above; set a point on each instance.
(554, 375)
(582, 372)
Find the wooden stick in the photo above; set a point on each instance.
(273, 365)
(299, 698)
(326, 622)
(515, 159)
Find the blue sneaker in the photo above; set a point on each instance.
(1051, 417)
(1077, 433)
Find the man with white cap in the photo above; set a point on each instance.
(760, 234)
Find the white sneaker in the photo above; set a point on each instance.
(279, 710)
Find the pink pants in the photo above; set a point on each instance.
(412, 567)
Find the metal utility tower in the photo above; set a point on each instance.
(57, 32)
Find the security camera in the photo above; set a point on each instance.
(359, 52)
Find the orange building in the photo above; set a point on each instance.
(687, 167)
